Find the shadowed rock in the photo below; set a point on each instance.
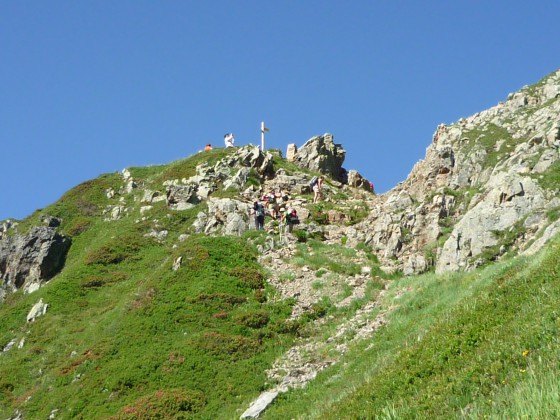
(27, 261)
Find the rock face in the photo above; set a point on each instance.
(483, 190)
(231, 217)
(27, 261)
(321, 154)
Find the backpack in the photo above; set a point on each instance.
(313, 182)
(259, 211)
(293, 218)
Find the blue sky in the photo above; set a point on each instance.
(93, 87)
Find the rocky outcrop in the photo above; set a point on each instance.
(354, 179)
(321, 154)
(232, 172)
(481, 191)
(27, 261)
(39, 309)
(230, 217)
(508, 200)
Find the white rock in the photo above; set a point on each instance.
(259, 405)
(39, 309)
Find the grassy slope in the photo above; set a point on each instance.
(461, 346)
(137, 328)
(125, 336)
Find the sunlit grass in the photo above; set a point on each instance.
(464, 345)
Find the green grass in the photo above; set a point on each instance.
(553, 214)
(78, 207)
(316, 256)
(550, 179)
(476, 345)
(486, 139)
(356, 212)
(185, 168)
(124, 334)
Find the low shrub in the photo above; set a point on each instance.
(287, 327)
(6, 389)
(301, 235)
(248, 277)
(220, 300)
(95, 281)
(318, 310)
(260, 295)
(553, 214)
(195, 257)
(79, 226)
(164, 404)
(257, 319)
(120, 249)
(221, 345)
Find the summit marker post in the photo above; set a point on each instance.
(263, 129)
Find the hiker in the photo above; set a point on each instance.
(274, 209)
(208, 147)
(293, 217)
(285, 196)
(258, 208)
(317, 187)
(288, 218)
(284, 220)
(229, 140)
(272, 204)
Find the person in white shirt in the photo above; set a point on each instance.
(229, 140)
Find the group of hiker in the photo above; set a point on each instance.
(275, 205)
(287, 217)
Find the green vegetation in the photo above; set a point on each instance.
(355, 213)
(127, 337)
(473, 345)
(185, 168)
(78, 207)
(317, 255)
(550, 179)
(553, 214)
(485, 140)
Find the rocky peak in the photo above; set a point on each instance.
(321, 154)
(481, 190)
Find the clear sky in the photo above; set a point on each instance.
(90, 87)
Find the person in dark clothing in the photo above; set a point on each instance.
(258, 208)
